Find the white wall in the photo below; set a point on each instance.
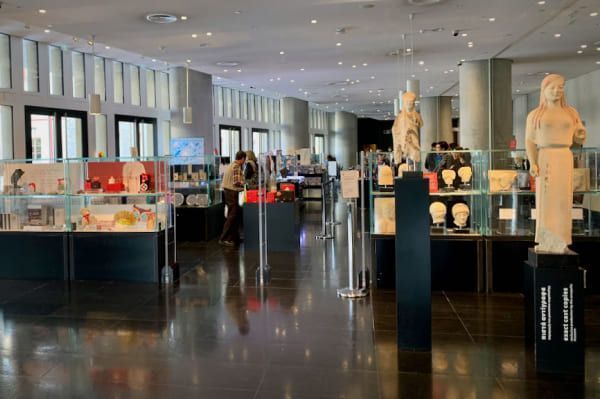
(18, 99)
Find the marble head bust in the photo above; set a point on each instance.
(460, 213)
(437, 210)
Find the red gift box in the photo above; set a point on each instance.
(271, 197)
(287, 187)
(252, 196)
(115, 187)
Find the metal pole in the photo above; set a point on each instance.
(167, 275)
(324, 235)
(362, 222)
(351, 292)
(262, 273)
(332, 193)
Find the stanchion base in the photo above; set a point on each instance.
(352, 293)
(324, 237)
(267, 273)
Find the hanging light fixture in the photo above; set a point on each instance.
(187, 110)
(95, 105)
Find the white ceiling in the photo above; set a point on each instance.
(254, 32)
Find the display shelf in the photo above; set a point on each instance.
(197, 176)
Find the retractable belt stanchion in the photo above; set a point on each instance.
(167, 276)
(332, 192)
(351, 292)
(263, 271)
(364, 274)
(324, 235)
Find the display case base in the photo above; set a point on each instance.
(34, 256)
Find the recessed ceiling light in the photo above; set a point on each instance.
(371, 91)
(598, 62)
(462, 60)
(271, 80)
(237, 12)
(452, 70)
(372, 77)
(184, 17)
(262, 89)
(302, 69)
(579, 51)
(338, 44)
(365, 64)
(313, 21)
(343, 89)
(278, 79)
(426, 69)
(239, 70)
(208, 33)
(408, 50)
(470, 44)
(464, 34)
(225, 70)
(188, 61)
(46, 30)
(153, 60)
(292, 81)
(194, 35)
(541, 2)
(421, 62)
(340, 63)
(107, 47)
(593, 14)
(492, 19)
(353, 66)
(42, 11)
(282, 53)
(243, 84)
(557, 35)
(583, 46)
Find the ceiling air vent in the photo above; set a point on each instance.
(161, 18)
(423, 2)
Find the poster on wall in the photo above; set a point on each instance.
(187, 151)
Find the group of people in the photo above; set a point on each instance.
(446, 156)
(242, 173)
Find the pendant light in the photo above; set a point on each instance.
(187, 110)
(95, 105)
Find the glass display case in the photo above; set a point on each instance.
(118, 194)
(33, 196)
(511, 194)
(196, 181)
(456, 191)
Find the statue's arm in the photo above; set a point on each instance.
(580, 130)
(531, 146)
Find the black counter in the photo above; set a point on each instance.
(283, 226)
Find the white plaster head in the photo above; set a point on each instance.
(460, 213)
(437, 210)
(465, 173)
(386, 175)
(408, 101)
(448, 175)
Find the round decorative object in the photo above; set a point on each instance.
(179, 199)
(190, 200)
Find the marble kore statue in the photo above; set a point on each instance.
(552, 128)
(406, 129)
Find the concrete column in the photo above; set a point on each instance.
(414, 86)
(294, 118)
(437, 120)
(520, 118)
(201, 101)
(346, 139)
(486, 120)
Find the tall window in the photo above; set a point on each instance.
(319, 145)
(6, 132)
(150, 89)
(135, 84)
(101, 134)
(260, 141)
(118, 82)
(163, 90)
(99, 78)
(30, 66)
(137, 134)
(166, 138)
(5, 80)
(230, 140)
(55, 66)
(78, 66)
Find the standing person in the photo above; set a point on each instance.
(233, 184)
(251, 171)
(430, 160)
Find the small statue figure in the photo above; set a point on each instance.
(16, 176)
(407, 123)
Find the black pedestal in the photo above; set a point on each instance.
(283, 222)
(413, 263)
(554, 292)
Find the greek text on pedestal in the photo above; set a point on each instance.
(546, 313)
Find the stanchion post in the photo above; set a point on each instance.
(167, 274)
(332, 192)
(351, 292)
(363, 229)
(324, 235)
(263, 271)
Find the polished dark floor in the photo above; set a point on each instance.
(217, 335)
